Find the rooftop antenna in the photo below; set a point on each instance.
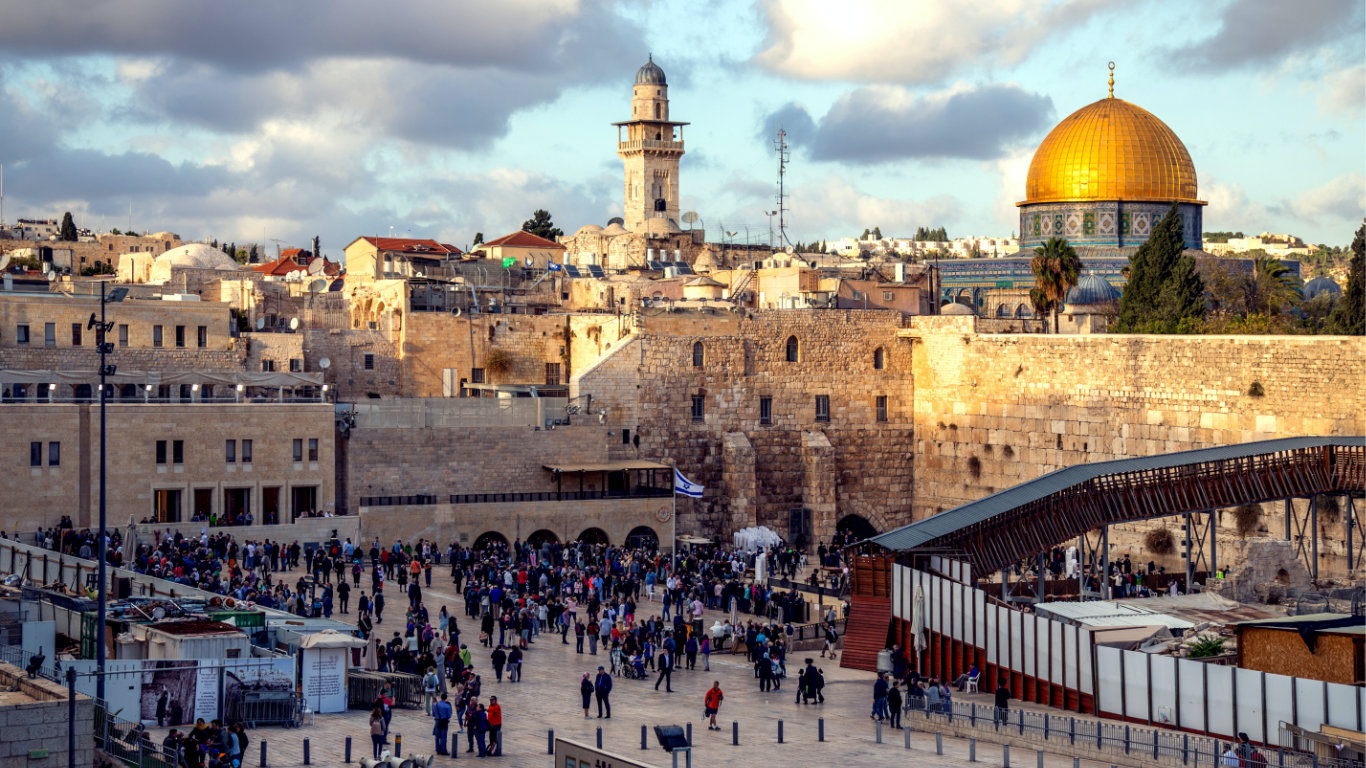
(784, 154)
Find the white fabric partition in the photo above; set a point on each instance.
(1249, 704)
(1219, 692)
(1163, 681)
(1111, 689)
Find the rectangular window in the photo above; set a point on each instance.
(312, 449)
(822, 407)
(54, 454)
(180, 336)
(35, 454)
(21, 334)
(298, 450)
(267, 366)
(625, 437)
(49, 334)
(156, 335)
(177, 451)
(161, 451)
(246, 451)
(858, 295)
(765, 410)
(886, 295)
(75, 334)
(123, 334)
(881, 407)
(231, 453)
(202, 336)
(476, 375)
(369, 362)
(698, 408)
(552, 373)
(295, 365)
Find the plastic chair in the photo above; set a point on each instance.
(972, 683)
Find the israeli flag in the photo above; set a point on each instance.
(685, 486)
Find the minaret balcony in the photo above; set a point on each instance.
(641, 144)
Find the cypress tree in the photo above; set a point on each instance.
(68, 231)
(1349, 316)
(1164, 288)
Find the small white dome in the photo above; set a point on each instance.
(192, 256)
(588, 229)
(955, 308)
(614, 229)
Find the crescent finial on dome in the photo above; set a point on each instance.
(1112, 79)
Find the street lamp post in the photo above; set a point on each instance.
(105, 346)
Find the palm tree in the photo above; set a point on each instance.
(1056, 270)
(1273, 288)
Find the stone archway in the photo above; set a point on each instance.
(642, 537)
(856, 526)
(595, 536)
(490, 539)
(540, 537)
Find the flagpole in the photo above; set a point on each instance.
(673, 518)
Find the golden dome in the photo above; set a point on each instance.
(1111, 150)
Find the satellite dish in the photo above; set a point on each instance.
(260, 323)
(52, 277)
(317, 285)
(4, 261)
(316, 266)
(158, 613)
(293, 323)
(455, 312)
(689, 217)
(325, 363)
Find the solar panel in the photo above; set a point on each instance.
(572, 270)
(683, 268)
(596, 271)
(657, 266)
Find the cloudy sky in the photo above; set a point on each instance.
(259, 120)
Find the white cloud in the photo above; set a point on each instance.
(833, 206)
(1342, 198)
(896, 41)
(1337, 205)
(1343, 91)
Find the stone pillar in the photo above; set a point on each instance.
(739, 480)
(818, 484)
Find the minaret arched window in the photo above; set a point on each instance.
(792, 349)
(879, 359)
(698, 353)
(659, 111)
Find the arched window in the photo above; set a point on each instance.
(657, 111)
(879, 359)
(792, 349)
(697, 354)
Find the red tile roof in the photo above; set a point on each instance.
(295, 260)
(523, 239)
(410, 245)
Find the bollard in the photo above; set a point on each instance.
(907, 733)
(1076, 762)
(1005, 755)
(1046, 719)
(306, 755)
(938, 743)
(879, 731)
(1040, 763)
(549, 742)
(820, 729)
(735, 733)
(972, 750)
(599, 737)
(348, 749)
(644, 739)
(780, 731)
(690, 734)
(398, 745)
(1021, 722)
(1072, 730)
(263, 753)
(972, 718)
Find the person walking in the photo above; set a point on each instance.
(385, 704)
(430, 683)
(579, 631)
(690, 652)
(1001, 715)
(344, 595)
(376, 731)
(441, 713)
(515, 665)
(666, 671)
(879, 698)
(378, 604)
(499, 657)
(705, 648)
(586, 693)
(479, 728)
(712, 704)
(894, 704)
(602, 688)
(495, 718)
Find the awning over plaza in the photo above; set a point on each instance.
(608, 466)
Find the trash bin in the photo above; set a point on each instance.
(884, 661)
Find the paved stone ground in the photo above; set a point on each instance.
(549, 699)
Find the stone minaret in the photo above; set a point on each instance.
(650, 150)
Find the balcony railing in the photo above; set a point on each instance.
(640, 492)
(649, 144)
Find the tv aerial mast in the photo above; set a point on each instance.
(784, 154)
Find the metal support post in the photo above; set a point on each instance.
(780, 732)
(820, 729)
(306, 753)
(972, 750)
(735, 733)
(644, 740)
(1105, 561)
(1314, 524)
(71, 717)
(938, 743)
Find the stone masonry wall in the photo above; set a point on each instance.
(649, 384)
